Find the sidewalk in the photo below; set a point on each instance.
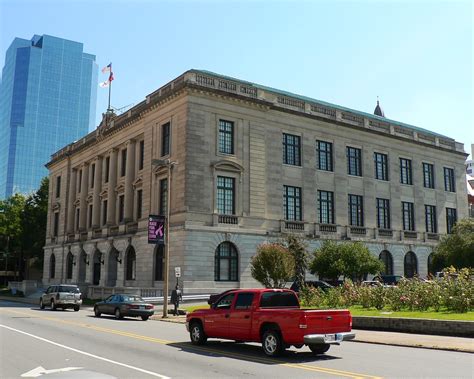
(365, 336)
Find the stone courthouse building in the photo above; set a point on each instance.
(249, 164)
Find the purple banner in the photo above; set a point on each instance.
(156, 229)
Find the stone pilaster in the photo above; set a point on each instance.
(112, 184)
(97, 188)
(72, 198)
(84, 188)
(129, 178)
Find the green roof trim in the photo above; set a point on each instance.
(309, 99)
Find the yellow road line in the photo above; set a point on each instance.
(300, 366)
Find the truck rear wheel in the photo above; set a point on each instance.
(196, 332)
(272, 343)
(320, 348)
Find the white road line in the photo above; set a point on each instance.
(86, 353)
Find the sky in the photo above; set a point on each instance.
(416, 56)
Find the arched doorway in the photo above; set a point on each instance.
(112, 266)
(52, 266)
(387, 261)
(69, 265)
(130, 264)
(410, 265)
(226, 263)
(82, 266)
(159, 262)
(431, 269)
(97, 262)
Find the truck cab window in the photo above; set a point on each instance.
(225, 302)
(244, 301)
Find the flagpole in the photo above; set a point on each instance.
(110, 87)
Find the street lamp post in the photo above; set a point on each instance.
(168, 164)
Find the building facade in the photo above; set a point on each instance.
(47, 99)
(248, 164)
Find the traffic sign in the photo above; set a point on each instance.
(177, 272)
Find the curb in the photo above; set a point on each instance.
(416, 346)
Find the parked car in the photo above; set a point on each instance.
(272, 317)
(371, 283)
(61, 296)
(121, 305)
(388, 279)
(312, 283)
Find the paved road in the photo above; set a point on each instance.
(37, 340)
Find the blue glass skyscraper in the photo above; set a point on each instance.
(48, 95)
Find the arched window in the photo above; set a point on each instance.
(410, 265)
(387, 260)
(159, 255)
(52, 266)
(431, 269)
(69, 264)
(131, 263)
(226, 266)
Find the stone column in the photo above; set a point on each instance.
(84, 188)
(72, 198)
(112, 184)
(97, 188)
(129, 178)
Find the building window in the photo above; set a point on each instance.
(92, 175)
(326, 207)
(324, 155)
(163, 197)
(78, 218)
(123, 168)
(292, 203)
(58, 186)
(408, 216)
(52, 266)
(165, 139)
(383, 213)
(387, 261)
(226, 263)
(291, 149)
(104, 212)
(90, 215)
(430, 219)
(139, 204)
(225, 195)
(226, 137)
(428, 175)
(159, 262)
(431, 269)
(56, 224)
(131, 263)
(141, 158)
(405, 171)
(410, 265)
(69, 265)
(451, 219)
(79, 182)
(356, 210)
(354, 163)
(107, 169)
(121, 207)
(381, 166)
(449, 184)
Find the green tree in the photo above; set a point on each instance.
(456, 249)
(272, 265)
(34, 223)
(350, 260)
(297, 247)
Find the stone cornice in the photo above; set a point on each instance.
(266, 98)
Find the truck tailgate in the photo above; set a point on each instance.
(327, 321)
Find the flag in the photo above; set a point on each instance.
(111, 76)
(107, 68)
(104, 84)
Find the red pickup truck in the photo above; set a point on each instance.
(272, 317)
